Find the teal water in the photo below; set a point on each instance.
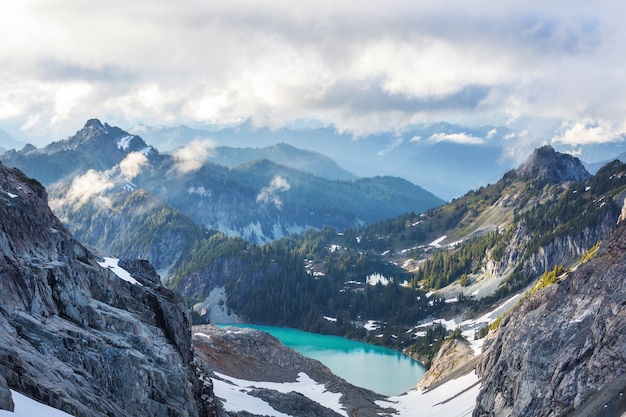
(379, 369)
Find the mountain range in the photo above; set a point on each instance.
(95, 336)
(258, 199)
(424, 154)
(444, 158)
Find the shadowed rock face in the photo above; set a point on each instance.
(77, 337)
(547, 164)
(563, 349)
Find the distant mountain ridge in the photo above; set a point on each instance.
(9, 142)
(282, 154)
(423, 154)
(96, 146)
(259, 200)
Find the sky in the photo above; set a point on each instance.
(557, 69)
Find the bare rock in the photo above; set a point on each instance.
(6, 399)
(452, 356)
(75, 336)
(562, 348)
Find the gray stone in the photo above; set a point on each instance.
(561, 347)
(6, 399)
(75, 336)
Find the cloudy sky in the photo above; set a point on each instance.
(555, 68)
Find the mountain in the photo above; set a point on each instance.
(259, 200)
(96, 146)
(594, 167)
(80, 333)
(560, 352)
(424, 154)
(477, 250)
(8, 142)
(282, 154)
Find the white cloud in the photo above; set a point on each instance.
(462, 138)
(191, 157)
(133, 164)
(579, 133)
(362, 66)
(269, 194)
(90, 185)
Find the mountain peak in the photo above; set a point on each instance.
(547, 164)
(93, 123)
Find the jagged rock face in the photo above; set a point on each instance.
(77, 337)
(562, 350)
(547, 164)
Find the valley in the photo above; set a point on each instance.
(376, 259)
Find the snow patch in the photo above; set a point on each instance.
(112, 264)
(437, 242)
(27, 407)
(332, 319)
(235, 394)
(201, 191)
(456, 398)
(334, 248)
(371, 325)
(376, 278)
(124, 142)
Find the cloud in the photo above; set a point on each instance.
(363, 67)
(92, 184)
(579, 133)
(191, 157)
(393, 145)
(269, 194)
(462, 138)
(133, 164)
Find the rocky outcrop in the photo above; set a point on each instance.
(454, 358)
(562, 351)
(545, 164)
(254, 355)
(76, 336)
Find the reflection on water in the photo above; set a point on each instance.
(382, 370)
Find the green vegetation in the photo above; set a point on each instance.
(495, 324)
(591, 253)
(548, 278)
(448, 266)
(427, 346)
(456, 334)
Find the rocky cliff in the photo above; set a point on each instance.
(546, 164)
(562, 350)
(78, 337)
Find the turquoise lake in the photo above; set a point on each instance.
(379, 369)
